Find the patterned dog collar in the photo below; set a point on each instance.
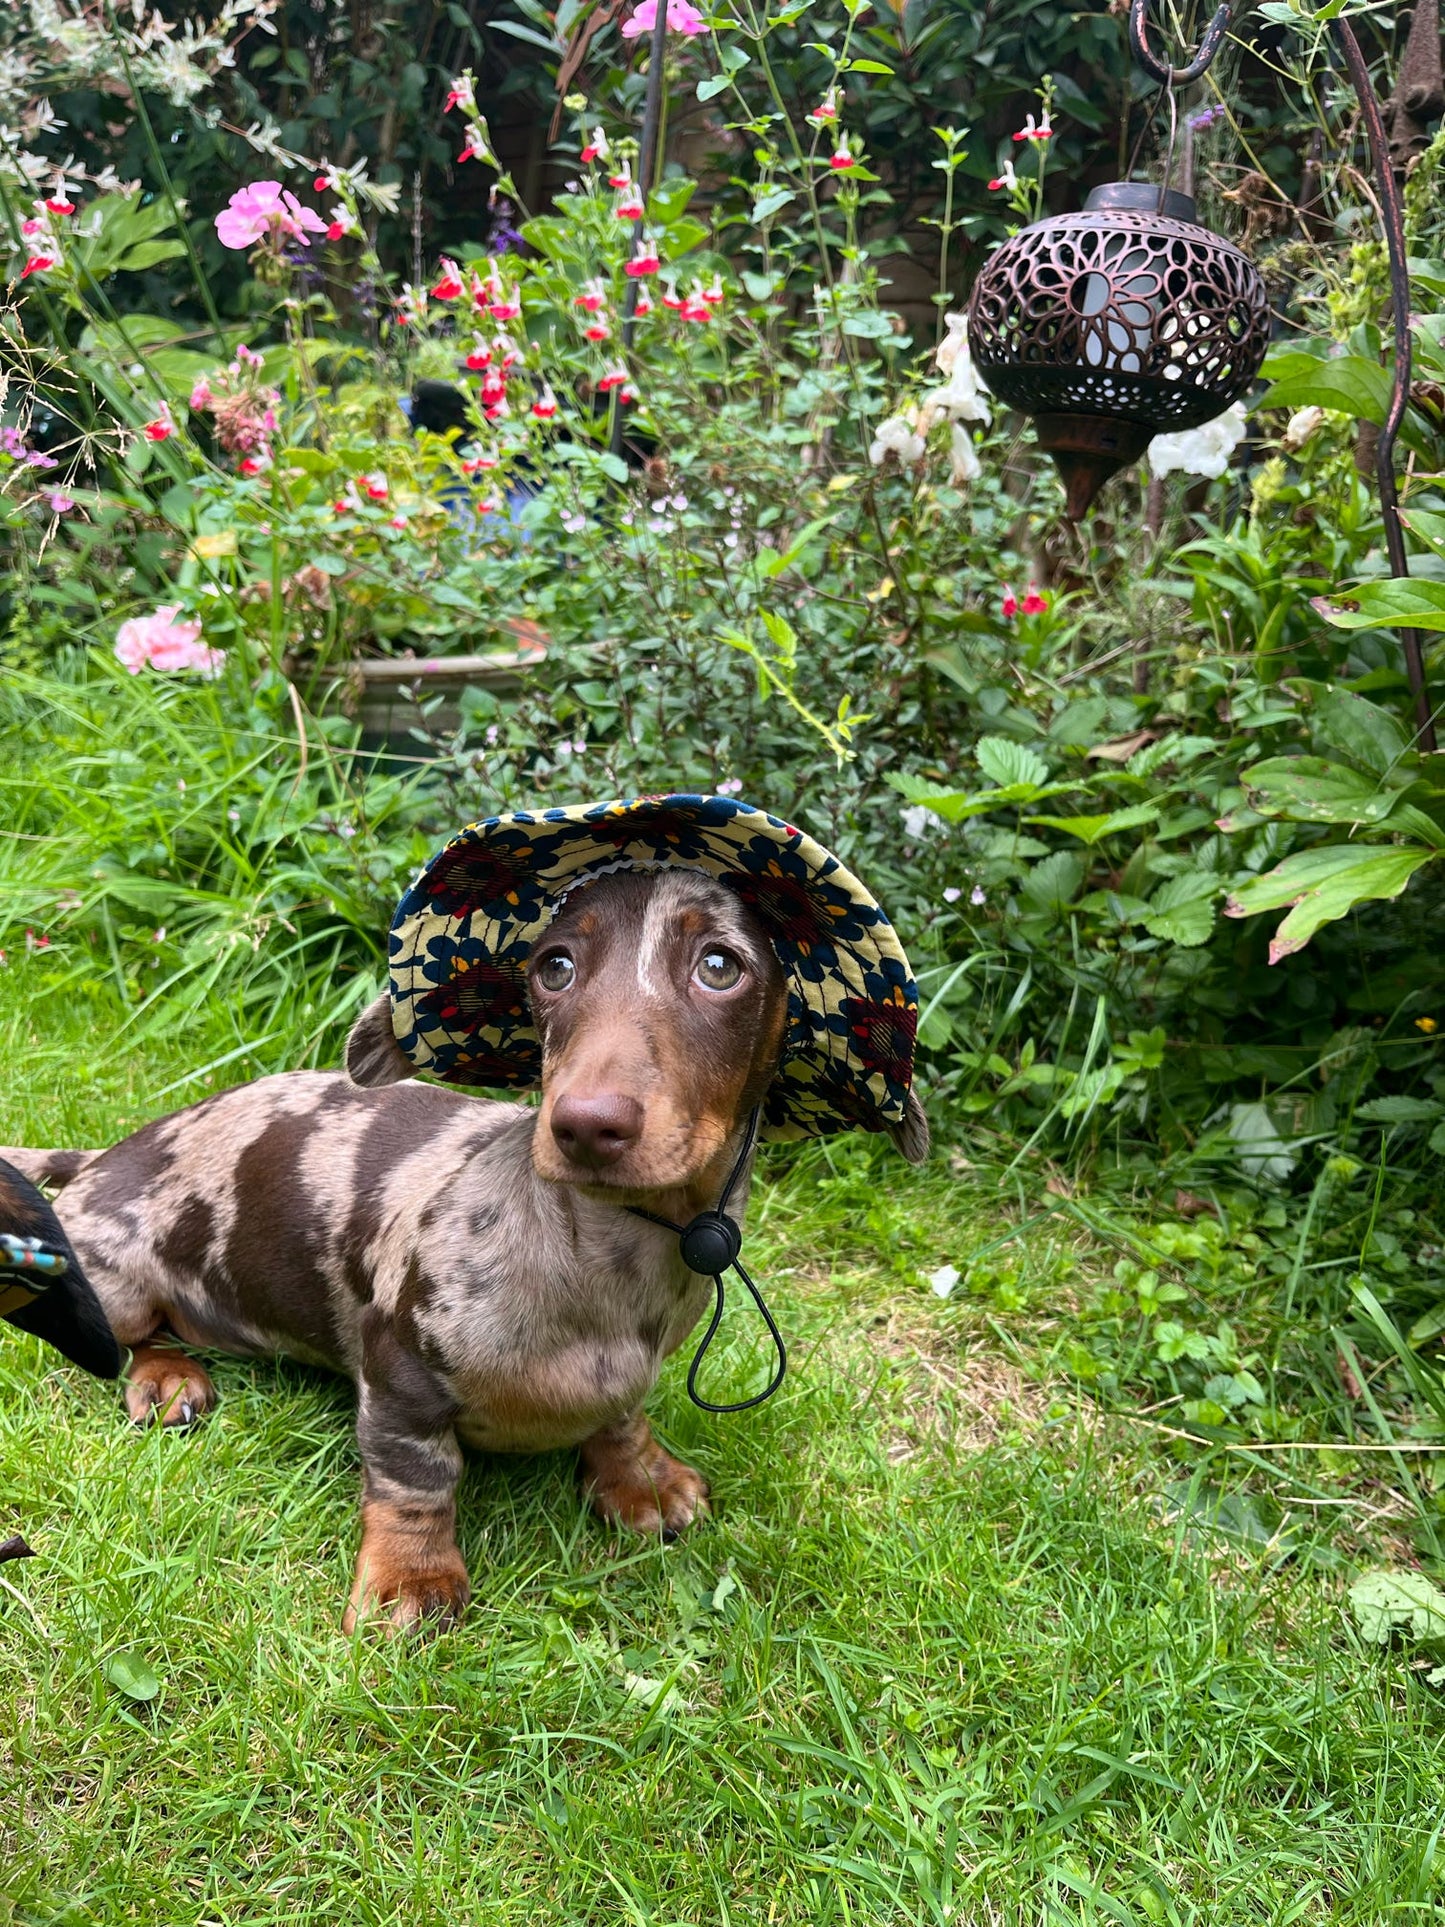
(463, 932)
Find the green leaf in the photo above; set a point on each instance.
(1053, 883)
(868, 67)
(1006, 761)
(1400, 1110)
(130, 1672)
(1348, 383)
(1091, 829)
(1386, 1603)
(710, 89)
(1322, 885)
(767, 205)
(1413, 602)
(669, 202)
(1308, 789)
(1362, 730)
(1181, 910)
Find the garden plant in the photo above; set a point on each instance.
(1091, 1564)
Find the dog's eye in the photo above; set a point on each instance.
(718, 970)
(557, 971)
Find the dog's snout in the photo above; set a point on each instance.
(595, 1131)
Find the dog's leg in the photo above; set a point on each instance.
(409, 1568)
(631, 1481)
(165, 1385)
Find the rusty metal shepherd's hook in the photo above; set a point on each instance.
(1159, 70)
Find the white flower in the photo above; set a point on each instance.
(896, 436)
(1303, 425)
(1200, 451)
(963, 398)
(966, 465)
(952, 894)
(942, 1281)
(977, 894)
(917, 821)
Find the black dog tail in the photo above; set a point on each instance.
(42, 1287)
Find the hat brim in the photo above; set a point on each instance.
(65, 1312)
(463, 932)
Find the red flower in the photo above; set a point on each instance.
(38, 264)
(1010, 604)
(60, 205)
(479, 355)
(450, 284)
(336, 230)
(1034, 603)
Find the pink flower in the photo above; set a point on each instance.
(60, 205)
(33, 226)
(38, 264)
(161, 428)
(507, 309)
(592, 298)
(1010, 604)
(166, 644)
(825, 111)
(58, 502)
(262, 208)
(201, 396)
(449, 286)
(842, 159)
(1034, 603)
(597, 328)
(682, 17)
(375, 486)
(645, 261)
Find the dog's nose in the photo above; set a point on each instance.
(595, 1131)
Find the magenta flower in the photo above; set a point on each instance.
(256, 211)
(682, 17)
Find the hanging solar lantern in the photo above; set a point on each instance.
(1126, 321)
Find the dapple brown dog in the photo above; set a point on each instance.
(468, 1263)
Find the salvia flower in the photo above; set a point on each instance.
(645, 303)
(593, 297)
(476, 146)
(478, 355)
(463, 94)
(596, 148)
(646, 260)
(162, 427)
(826, 110)
(38, 263)
(1207, 116)
(1042, 132)
(615, 377)
(713, 294)
(843, 158)
(58, 205)
(1010, 605)
(1035, 604)
(597, 329)
(507, 306)
(1008, 179)
(630, 205)
(449, 282)
(545, 406)
(670, 296)
(623, 176)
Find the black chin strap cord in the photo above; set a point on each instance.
(710, 1244)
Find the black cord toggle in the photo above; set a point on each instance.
(711, 1243)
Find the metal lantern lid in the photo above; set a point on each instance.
(1115, 325)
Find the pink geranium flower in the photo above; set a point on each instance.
(682, 17)
(166, 644)
(254, 212)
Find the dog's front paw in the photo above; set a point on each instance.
(632, 1482)
(165, 1387)
(401, 1583)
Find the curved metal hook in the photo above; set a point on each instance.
(1157, 69)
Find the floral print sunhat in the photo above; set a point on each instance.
(462, 934)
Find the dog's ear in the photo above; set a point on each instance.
(911, 1136)
(373, 1055)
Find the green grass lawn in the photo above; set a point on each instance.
(948, 1652)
